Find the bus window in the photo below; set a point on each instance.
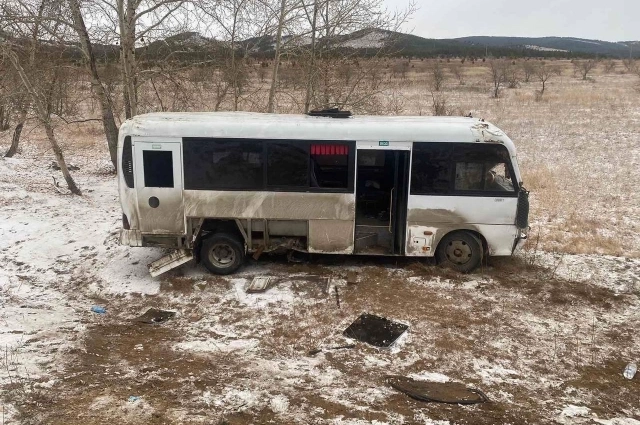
(329, 166)
(483, 168)
(430, 169)
(287, 165)
(223, 164)
(158, 168)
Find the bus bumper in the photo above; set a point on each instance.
(520, 240)
(130, 237)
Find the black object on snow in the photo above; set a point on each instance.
(441, 392)
(330, 112)
(154, 315)
(375, 330)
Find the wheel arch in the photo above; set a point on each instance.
(211, 226)
(471, 230)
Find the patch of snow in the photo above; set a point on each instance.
(277, 294)
(617, 421)
(492, 373)
(212, 346)
(543, 49)
(279, 404)
(372, 39)
(430, 376)
(572, 411)
(587, 41)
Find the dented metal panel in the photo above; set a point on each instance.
(428, 210)
(331, 236)
(440, 215)
(169, 262)
(269, 205)
(499, 237)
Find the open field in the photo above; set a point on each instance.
(545, 335)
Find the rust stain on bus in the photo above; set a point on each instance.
(435, 215)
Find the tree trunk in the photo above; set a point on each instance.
(126, 22)
(276, 62)
(311, 71)
(108, 120)
(15, 140)
(60, 158)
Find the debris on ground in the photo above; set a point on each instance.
(339, 347)
(440, 392)
(133, 398)
(352, 278)
(99, 310)
(154, 315)
(71, 167)
(258, 284)
(630, 371)
(375, 330)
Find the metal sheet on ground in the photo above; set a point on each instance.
(375, 330)
(441, 392)
(154, 315)
(258, 284)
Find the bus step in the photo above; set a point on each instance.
(171, 261)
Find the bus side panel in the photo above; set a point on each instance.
(431, 217)
(422, 241)
(331, 236)
(269, 205)
(500, 238)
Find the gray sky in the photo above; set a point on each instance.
(610, 20)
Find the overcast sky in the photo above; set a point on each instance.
(611, 20)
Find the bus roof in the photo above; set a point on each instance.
(303, 127)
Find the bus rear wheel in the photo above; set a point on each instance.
(222, 253)
(460, 251)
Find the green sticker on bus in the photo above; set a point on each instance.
(154, 146)
(383, 143)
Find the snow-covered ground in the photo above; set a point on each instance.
(540, 335)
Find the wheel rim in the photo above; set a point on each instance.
(458, 252)
(222, 255)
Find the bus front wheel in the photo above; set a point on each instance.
(222, 253)
(460, 251)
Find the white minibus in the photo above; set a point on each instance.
(217, 187)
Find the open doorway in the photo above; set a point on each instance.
(381, 201)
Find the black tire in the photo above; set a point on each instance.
(460, 251)
(222, 253)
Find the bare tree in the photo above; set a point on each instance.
(332, 25)
(457, 69)
(99, 91)
(513, 76)
(584, 67)
(137, 22)
(237, 21)
(498, 71)
(631, 65)
(543, 72)
(13, 16)
(528, 69)
(42, 105)
(283, 16)
(609, 66)
(440, 105)
(437, 75)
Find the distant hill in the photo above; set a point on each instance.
(373, 40)
(557, 44)
(189, 46)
